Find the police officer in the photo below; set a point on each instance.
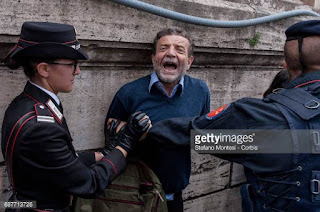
(275, 182)
(41, 162)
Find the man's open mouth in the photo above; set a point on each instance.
(171, 66)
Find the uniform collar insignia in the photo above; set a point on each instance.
(55, 110)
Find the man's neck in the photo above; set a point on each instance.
(169, 87)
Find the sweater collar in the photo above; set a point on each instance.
(155, 80)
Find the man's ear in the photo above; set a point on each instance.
(285, 65)
(153, 58)
(43, 69)
(190, 61)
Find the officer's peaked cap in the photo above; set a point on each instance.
(303, 29)
(46, 40)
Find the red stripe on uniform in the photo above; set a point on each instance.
(38, 210)
(13, 130)
(306, 83)
(70, 41)
(14, 142)
(114, 168)
(33, 42)
(26, 41)
(31, 97)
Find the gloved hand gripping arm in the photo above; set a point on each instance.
(138, 123)
(112, 136)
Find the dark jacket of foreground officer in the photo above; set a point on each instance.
(36, 143)
(275, 182)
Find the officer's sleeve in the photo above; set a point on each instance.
(45, 151)
(171, 131)
(177, 130)
(225, 117)
(88, 158)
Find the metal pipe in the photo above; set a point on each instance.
(208, 22)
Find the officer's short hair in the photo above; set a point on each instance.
(173, 31)
(310, 53)
(291, 55)
(29, 65)
(303, 37)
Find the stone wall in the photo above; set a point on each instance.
(118, 40)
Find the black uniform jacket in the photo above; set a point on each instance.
(44, 166)
(283, 182)
(246, 113)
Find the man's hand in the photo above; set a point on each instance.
(122, 123)
(138, 124)
(120, 126)
(112, 136)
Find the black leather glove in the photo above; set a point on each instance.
(112, 137)
(135, 128)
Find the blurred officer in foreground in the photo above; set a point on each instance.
(37, 146)
(275, 182)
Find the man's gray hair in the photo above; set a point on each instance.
(173, 31)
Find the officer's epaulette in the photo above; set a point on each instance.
(43, 113)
